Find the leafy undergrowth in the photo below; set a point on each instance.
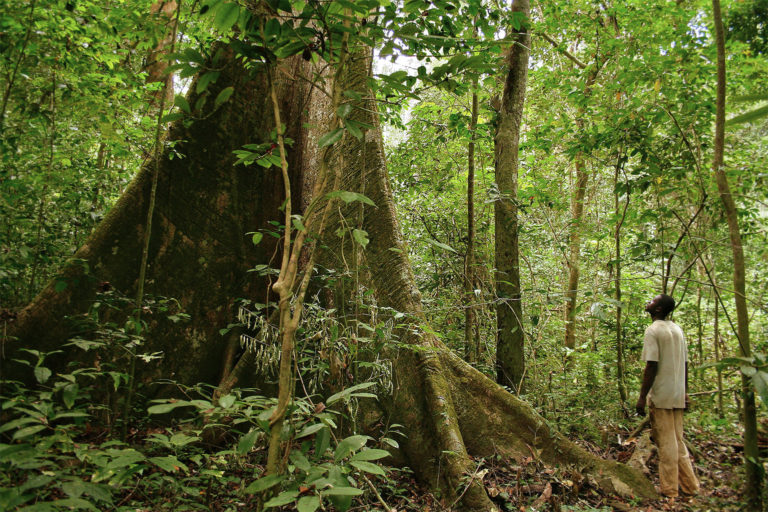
(57, 452)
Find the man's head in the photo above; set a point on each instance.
(660, 306)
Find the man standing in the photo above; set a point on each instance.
(665, 384)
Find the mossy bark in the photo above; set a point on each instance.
(199, 253)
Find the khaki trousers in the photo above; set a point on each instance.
(674, 463)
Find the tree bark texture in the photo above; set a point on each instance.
(510, 336)
(199, 253)
(156, 64)
(753, 488)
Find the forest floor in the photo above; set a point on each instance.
(530, 486)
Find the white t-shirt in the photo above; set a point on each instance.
(664, 342)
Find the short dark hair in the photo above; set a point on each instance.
(667, 304)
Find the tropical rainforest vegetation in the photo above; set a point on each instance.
(376, 254)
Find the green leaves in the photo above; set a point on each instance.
(368, 467)
(226, 16)
(349, 392)
(349, 445)
(442, 245)
(247, 441)
(310, 429)
(349, 197)
(361, 237)
(262, 484)
(370, 454)
(344, 110)
(42, 374)
(281, 499)
(169, 463)
(308, 504)
(227, 401)
(205, 80)
(330, 138)
(182, 103)
(223, 96)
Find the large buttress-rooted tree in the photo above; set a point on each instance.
(198, 253)
(451, 411)
(510, 336)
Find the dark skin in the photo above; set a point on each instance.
(652, 367)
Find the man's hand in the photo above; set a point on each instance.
(640, 406)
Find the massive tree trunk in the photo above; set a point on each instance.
(199, 253)
(510, 337)
(450, 411)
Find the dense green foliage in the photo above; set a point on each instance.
(627, 87)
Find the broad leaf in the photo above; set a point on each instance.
(264, 483)
(349, 445)
(370, 454)
(226, 16)
(247, 441)
(223, 96)
(330, 138)
(308, 504)
(283, 498)
(169, 463)
(368, 467)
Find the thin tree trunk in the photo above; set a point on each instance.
(699, 327)
(716, 344)
(621, 215)
(574, 243)
(577, 214)
(44, 195)
(473, 348)
(510, 336)
(139, 303)
(754, 481)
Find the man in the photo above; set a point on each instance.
(665, 385)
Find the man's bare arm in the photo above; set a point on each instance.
(651, 367)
